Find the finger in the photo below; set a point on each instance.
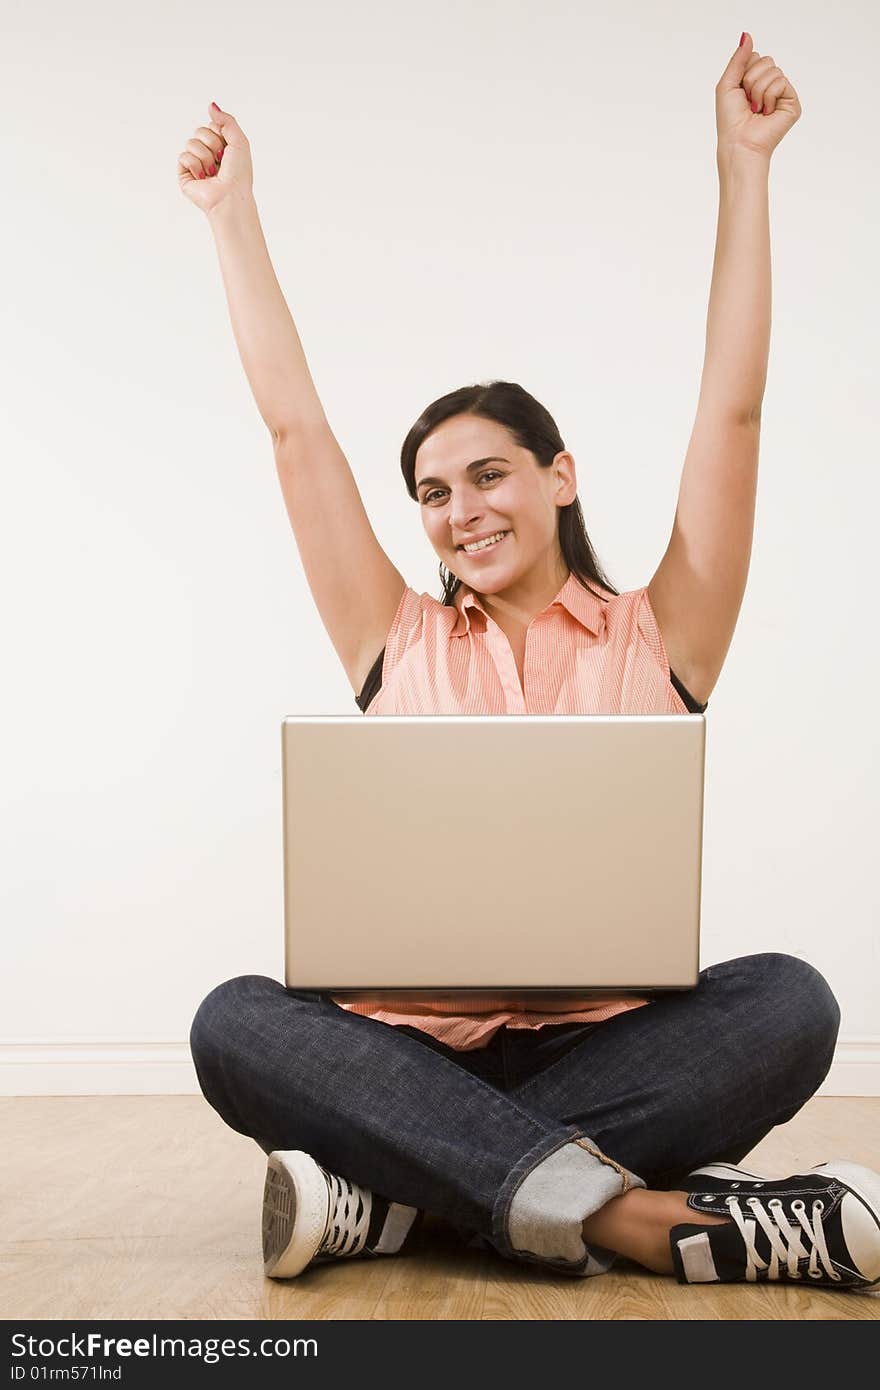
(189, 167)
(773, 92)
(755, 74)
(212, 138)
(758, 90)
(204, 154)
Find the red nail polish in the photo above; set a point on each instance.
(742, 38)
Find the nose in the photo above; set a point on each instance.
(461, 518)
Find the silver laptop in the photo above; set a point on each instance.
(493, 852)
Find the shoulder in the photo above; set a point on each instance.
(417, 614)
(625, 612)
(630, 623)
(421, 621)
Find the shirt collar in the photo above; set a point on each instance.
(583, 606)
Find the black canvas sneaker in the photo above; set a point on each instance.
(821, 1227)
(310, 1215)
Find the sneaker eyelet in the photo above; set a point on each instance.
(706, 1198)
(818, 1205)
(798, 1205)
(774, 1202)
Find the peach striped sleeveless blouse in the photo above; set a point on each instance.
(583, 655)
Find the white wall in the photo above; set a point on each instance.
(450, 193)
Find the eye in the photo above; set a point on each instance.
(489, 473)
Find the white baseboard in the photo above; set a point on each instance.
(96, 1067)
(111, 1067)
(855, 1070)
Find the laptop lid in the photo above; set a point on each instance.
(487, 852)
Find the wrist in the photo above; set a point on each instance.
(234, 206)
(739, 164)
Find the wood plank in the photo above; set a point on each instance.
(441, 1277)
(149, 1207)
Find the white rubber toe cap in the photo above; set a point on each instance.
(859, 1214)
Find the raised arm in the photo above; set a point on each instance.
(268, 342)
(354, 584)
(698, 588)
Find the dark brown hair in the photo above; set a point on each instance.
(533, 428)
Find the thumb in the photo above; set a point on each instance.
(227, 125)
(735, 71)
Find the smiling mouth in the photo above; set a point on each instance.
(485, 549)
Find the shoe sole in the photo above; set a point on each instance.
(295, 1204)
(860, 1181)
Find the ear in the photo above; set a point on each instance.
(566, 478)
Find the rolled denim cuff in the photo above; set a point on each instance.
(540, 1213)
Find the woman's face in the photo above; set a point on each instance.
(507, 491)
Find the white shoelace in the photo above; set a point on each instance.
(346, 1231)
(786, 1242)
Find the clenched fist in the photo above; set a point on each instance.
(755, 104)
(216, 162)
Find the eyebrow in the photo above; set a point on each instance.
(471, 468)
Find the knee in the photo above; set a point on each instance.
(216, 1017)
(805, 991)
(802, 996)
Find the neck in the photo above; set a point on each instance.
(530, 595)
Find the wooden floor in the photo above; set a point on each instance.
(149, 1207)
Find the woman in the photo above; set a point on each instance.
(560, 1132)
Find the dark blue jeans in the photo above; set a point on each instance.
(516, 1143)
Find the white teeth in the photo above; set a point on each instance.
(481, 545)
